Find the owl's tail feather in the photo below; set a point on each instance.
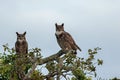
(78, 48)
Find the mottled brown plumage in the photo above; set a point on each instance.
(64, 39)
(21, 45)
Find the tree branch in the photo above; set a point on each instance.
(52, 57)
(55, 73)
(43, 61)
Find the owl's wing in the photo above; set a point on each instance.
(71, 41)
(26, 48)
(16, 48)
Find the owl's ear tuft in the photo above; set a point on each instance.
(55, 24)
(62, 24)
(17, 33)
(24, 33)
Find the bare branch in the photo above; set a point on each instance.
(52, 57)
(43, 61)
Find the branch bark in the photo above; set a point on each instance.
(52, 57)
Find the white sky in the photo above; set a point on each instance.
(92, 23)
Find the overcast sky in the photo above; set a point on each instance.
(92, 23)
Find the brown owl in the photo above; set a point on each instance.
(21, 45)
(64, 39)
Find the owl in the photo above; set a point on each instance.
(21, 45)
(64, 39)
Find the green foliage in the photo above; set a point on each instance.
(68, 66)
(6, 62)
(79, 74)
(79, 67)
(12, 65)
(36, 75)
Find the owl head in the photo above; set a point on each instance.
(59, 27)
(21, 37)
